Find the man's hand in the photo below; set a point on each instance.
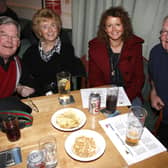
(156, 101)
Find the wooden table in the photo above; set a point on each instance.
(41, 127)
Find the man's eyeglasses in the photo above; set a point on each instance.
(164, 32)
(6, 36)
(32, 105)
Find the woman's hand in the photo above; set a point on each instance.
(25, 91)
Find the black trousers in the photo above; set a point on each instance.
(163, 134)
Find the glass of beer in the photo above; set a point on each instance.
(11, 127)
(111, 99)
(135, 124)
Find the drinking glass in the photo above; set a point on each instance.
(48, 146)
(135, 124)
(111, 99)
(64, 83)
(11, 127)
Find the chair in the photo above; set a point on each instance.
(24, 45)
(158, 122)
(80, 79)
(84, 80)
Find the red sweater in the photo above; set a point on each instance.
(130, 65)
(9, 78)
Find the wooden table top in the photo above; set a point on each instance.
(41, 127)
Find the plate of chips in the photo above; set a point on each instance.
(68, 119)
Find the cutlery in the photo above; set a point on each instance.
(32, 104)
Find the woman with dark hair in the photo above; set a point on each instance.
(115, 55)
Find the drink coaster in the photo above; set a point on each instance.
(63, 100)
(108, 114)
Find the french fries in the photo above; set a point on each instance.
(68, 120)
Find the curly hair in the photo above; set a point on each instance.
(125, 20)
(43, 15)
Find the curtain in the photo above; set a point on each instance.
(146, 16)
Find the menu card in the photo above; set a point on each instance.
(115, 128)
(123, 99)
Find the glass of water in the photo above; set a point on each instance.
(48, 146)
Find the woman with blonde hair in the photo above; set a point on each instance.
(51, 55)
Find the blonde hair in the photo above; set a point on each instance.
(43, 15)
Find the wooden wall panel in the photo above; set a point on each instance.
(27, 8)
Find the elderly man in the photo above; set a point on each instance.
(10, 67)
(158, 69)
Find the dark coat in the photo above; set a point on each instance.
(130, 65)
(39, 74)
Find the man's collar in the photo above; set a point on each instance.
(2, 63)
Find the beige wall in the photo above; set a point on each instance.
(27, 8)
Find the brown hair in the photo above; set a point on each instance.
(43, 15)
(125, 20)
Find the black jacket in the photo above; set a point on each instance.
(39, 74)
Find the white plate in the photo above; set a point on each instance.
(79, 113)
(99, 140)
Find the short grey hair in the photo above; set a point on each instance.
(8, 20)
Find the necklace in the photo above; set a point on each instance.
(114, 59)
